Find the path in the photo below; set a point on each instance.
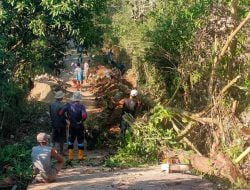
(138, 179)
(99, 178)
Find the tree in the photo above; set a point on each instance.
(34, 37)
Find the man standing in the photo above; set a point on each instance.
(58, 122)
(76, 114)
(78, 74)
(41, 159)
(86, 70)
(129, 106)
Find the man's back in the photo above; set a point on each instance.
(41, 157)
(57, 120)
(74, 111)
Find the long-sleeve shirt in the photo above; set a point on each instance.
(76, 113)
(58, 121)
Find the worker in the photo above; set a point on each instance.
(41, 159)
(76, 114)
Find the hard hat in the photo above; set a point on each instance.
(134, 93)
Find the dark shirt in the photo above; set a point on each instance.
(76, 113)
(58, 121)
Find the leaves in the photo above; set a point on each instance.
(147, 139)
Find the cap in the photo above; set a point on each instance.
(42, 137)
(59, 94)
(76, 96)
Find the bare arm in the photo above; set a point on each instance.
(56, 155)
(121, 102)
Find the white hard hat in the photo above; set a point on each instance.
(134, 93)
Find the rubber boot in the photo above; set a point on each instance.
(80, 154)
(70, 154)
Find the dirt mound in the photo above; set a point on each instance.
(100, 71)
(41, 92)
(131, 79)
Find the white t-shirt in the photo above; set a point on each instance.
(77, 71)
(86, 66)
(41, 158)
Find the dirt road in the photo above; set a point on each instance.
(99, 178)
(137, 179)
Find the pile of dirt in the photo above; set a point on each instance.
(41, 92)
(107, 84)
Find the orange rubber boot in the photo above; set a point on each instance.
(80, 154)
(70, 154)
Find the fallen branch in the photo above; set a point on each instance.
(225, 88)
(195, 117)
(219, 166)
(185, 139)
(173, 96)
(187, 129)
(16, 45)
(159, 138)
(217, 58)
(242, 155)
(230, 38)
(221, 94)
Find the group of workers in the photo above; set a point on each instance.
(67, 125)
(69, 116)
(64, 117)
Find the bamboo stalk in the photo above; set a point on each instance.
(218, 58)
(229, 39)
(221, 94)
(160, 138)
(242, 155)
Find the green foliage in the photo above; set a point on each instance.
(236, 146)
(90, 122)
(123, 159)
(195, 77)
(15, 163)
(157, 40)
(34, 37)
(145, 140)
(10, 96)
(247, 82)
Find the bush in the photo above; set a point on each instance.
(15, 163)
(144, 142)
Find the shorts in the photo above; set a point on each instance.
(79, 77)
(46, 177)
